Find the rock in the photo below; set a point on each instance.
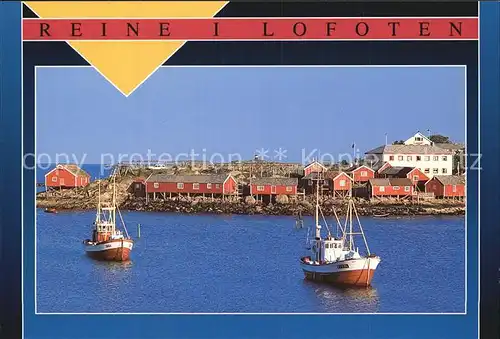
(282, 199)
(249, 200)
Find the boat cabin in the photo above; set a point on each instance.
(329, 249)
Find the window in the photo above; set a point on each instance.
(427, 158)
(196, 186)
(396, 188)
(427, 171)
(217, 185)
(61, 181)
(419, 158)
(364, 173)
(444, 171)
(415, 178)
(444, 158)
(342, 183)
(54, 179)
(408, 158)
(454, 188)
(137, 186)
(180, 185)
(209, 186)
(435, 170)
(382, 189)
(260, 188)
(391, 157)
(400, 157)
(407, 188)
(435, 158)
(418, 138)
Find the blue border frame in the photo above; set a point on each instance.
(10, 170)
(490, 162)
(146, 326)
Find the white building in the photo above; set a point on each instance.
(419, 152)
(419, 139)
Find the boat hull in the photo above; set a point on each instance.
(354, 272)
(112, 250)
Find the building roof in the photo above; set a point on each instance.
(357, 167)
(342, 173)
(450, 179)
(324, 175)
(390, 182)
(409, 149)
(411, 140)
(379, 182)
(315, 163)
(451, 146)
(400, 182)
(274, 181)
(401, 171)
(73, 169)
(202, 179)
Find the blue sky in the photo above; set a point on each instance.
(239, 110)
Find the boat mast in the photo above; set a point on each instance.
(98, 214)
(350, 225)
(318, 227)
(114, 205)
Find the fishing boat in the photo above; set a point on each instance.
(108, 243)
(50, 210)
(335, 259)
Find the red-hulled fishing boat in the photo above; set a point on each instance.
(335, 259)
(108, 243)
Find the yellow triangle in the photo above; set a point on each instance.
(126, 64)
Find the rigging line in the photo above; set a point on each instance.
(121, 218)
(338, 221)
(361, 228)
(326, 224)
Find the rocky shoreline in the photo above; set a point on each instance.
(191, 206)
(86, 199)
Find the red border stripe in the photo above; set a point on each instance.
(252, 29)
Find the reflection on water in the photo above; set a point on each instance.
(345, 299)
(112, 266)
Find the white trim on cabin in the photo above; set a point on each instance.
(224, 183)
(61, 167)
(315, 162)
(347, 175)
(368, 168)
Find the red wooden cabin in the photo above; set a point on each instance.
(272, 187)
(218, 185)
(362, 173)
(391, 187)
(382, 168)
(446, 186)
(342, 185)
(66, 176)
(417, 177)
(314, 167)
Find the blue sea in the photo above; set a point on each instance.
(236, 263)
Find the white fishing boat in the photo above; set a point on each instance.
(335, 259)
